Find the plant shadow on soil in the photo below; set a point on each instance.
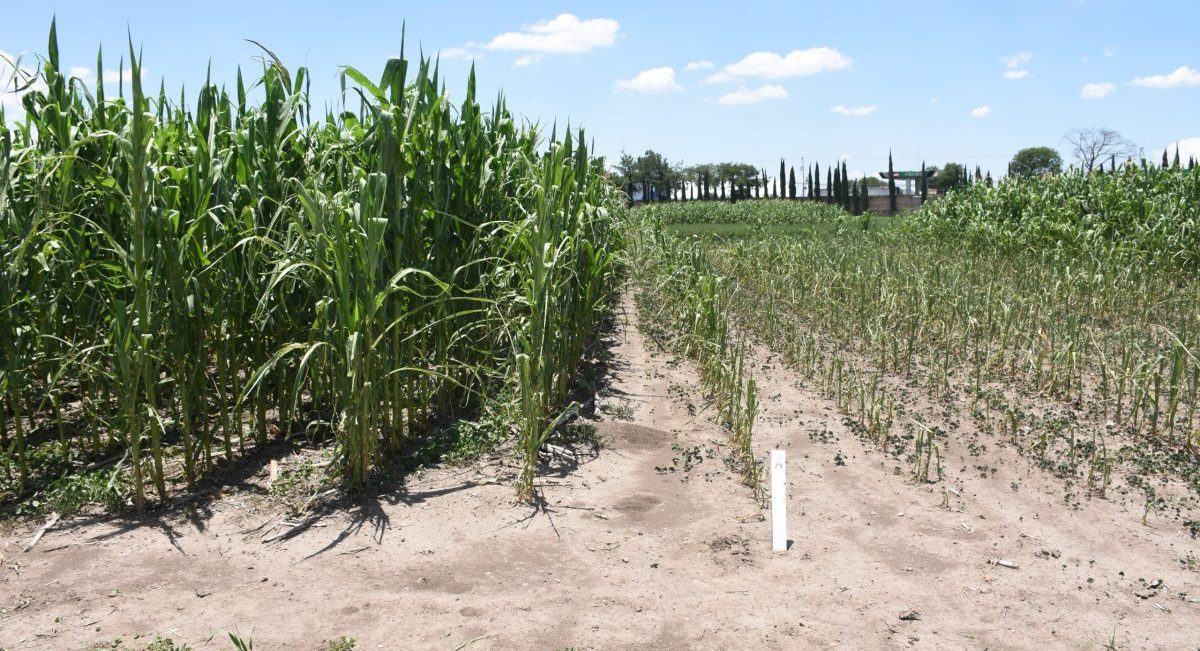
(449, 446)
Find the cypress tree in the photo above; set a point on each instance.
(775, 188)
(837, 184)
(854, 198)
(891, 186)
(828, 184)
(1164, 158)
(816, 184)
(924, 184)
(988, 179)
(979, 177)
(843, 186)
(1176, 162)
(782, 175)
(846, 187)
(791, 183)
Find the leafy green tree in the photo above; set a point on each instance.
(1035, 161)
(950, 177)
(659, 177)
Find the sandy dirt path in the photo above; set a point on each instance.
(628, 556)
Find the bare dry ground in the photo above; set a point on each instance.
(628, 553)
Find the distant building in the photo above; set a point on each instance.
(910, 180)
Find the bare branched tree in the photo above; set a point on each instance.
(1096, 146)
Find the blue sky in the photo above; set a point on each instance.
(935, 80)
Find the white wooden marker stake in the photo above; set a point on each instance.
(778, 501)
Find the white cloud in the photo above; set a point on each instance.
(88, 76)
(1110, 51)
(112, 76)
(1014, 61)
(1182, 77)
(654, 80)
(1188, 148)
(698, 65)
(459, 53)
(854, 111)
(526, 60)
(761, 94)
(1096, 90)
(564, 34)
(1013, 65)
(981, 111)
(797, 63)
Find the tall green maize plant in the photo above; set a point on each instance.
(184, 279)
(563, 266)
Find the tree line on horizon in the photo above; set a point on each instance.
(663, 180)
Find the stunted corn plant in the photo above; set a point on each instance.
(679, 292)
(1037, 298)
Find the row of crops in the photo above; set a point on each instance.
(685, 304)
(183, 281)
(1145, 214)
(1087, 341)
